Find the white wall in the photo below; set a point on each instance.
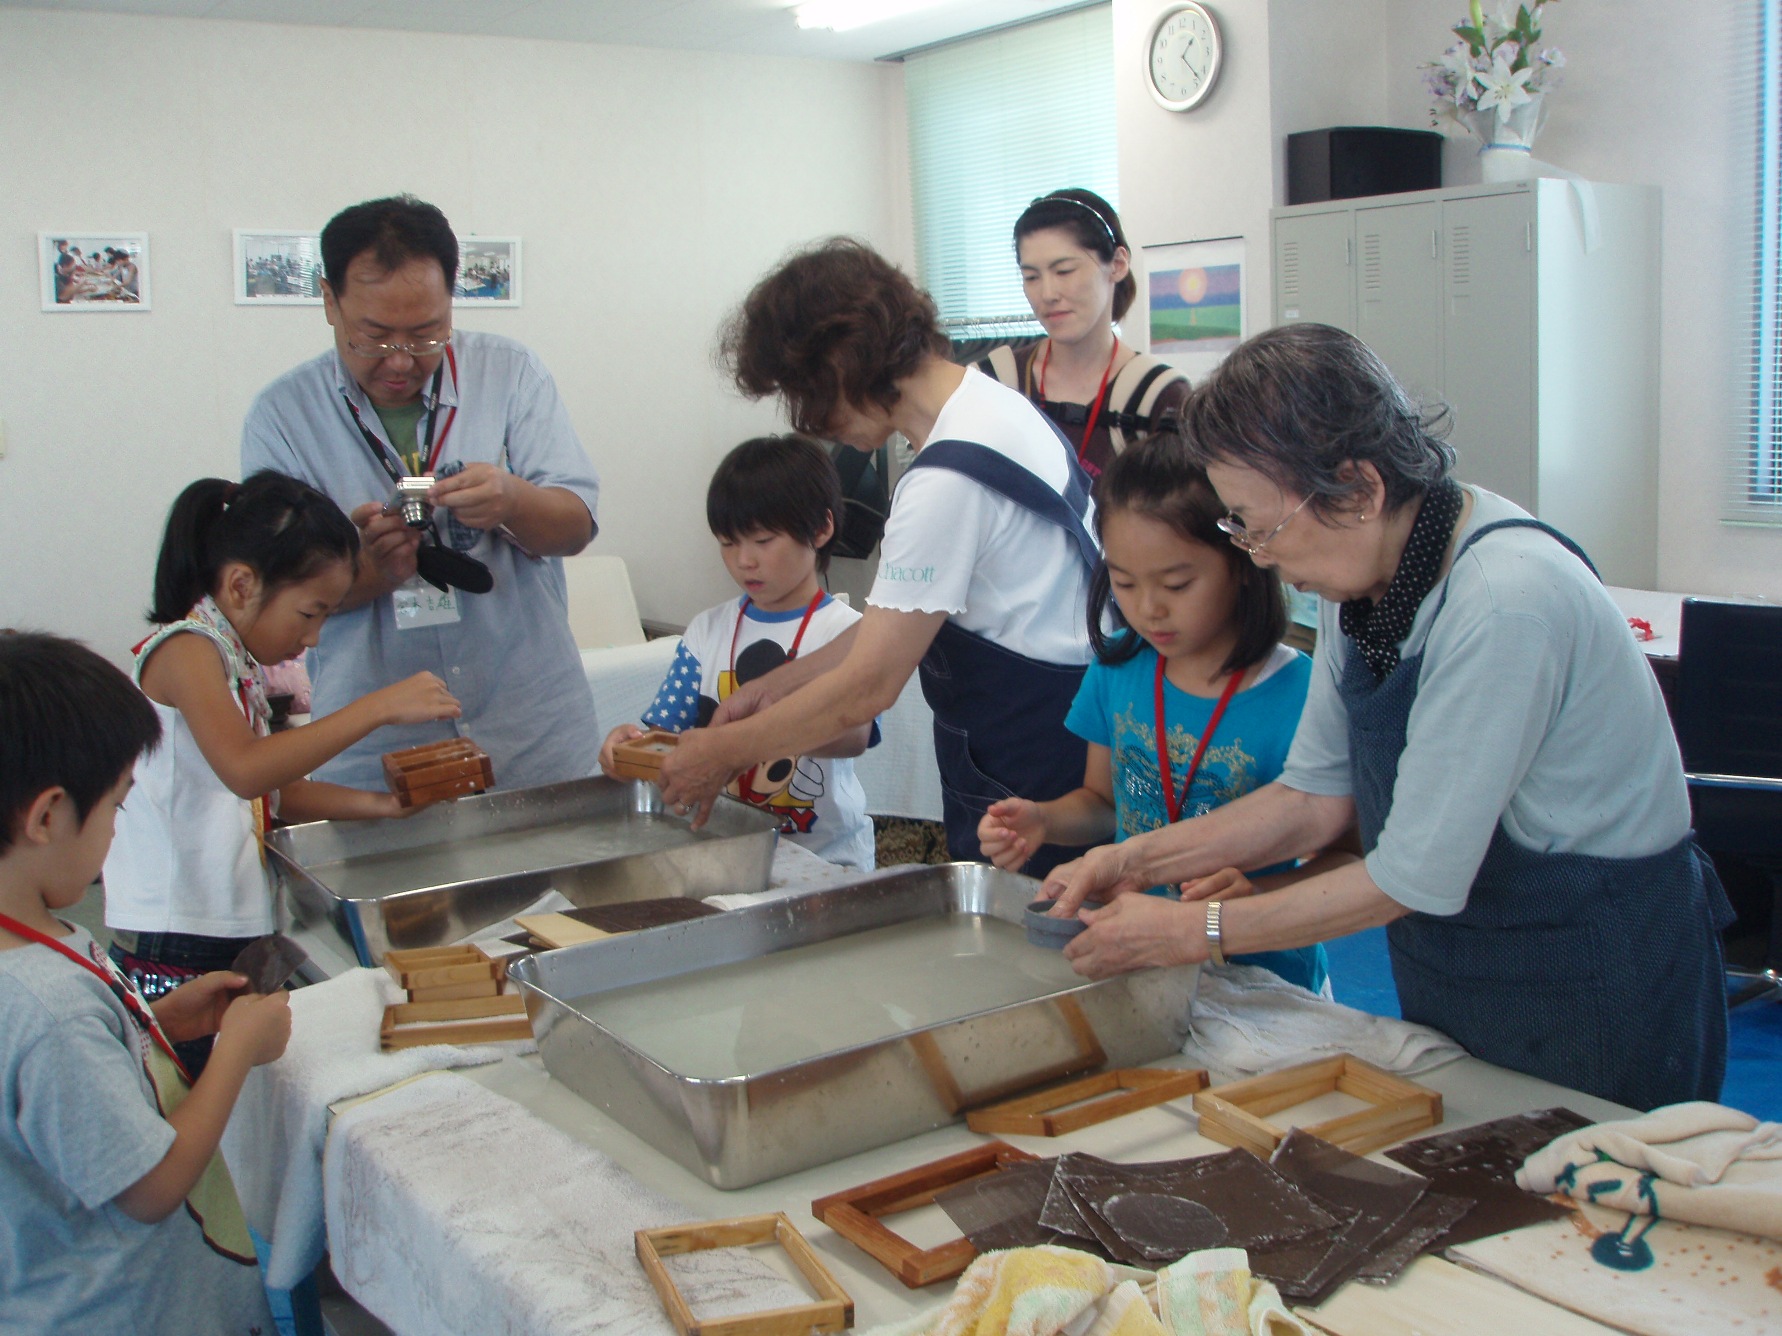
(651, 188)
(1633, 108)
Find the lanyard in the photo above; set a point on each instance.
(1172, 803)
(121, 987)
(797, 640)
(432, 447)
(1094, 408)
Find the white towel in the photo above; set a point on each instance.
(274, 1140)
(1708, 1165)
(452, 1209)
(1246, 1020)
(796, 871)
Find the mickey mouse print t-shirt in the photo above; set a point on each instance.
(819, 802)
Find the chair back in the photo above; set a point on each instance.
(1729, 689)
(602, 608)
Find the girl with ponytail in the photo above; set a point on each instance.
(247, 574)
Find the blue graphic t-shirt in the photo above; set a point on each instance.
(1116, 708)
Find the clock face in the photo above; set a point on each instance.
(1182, 57)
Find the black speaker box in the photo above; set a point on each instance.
(1347, 161)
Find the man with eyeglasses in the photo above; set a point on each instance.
(402, 394)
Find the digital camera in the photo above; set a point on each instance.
(411, 502)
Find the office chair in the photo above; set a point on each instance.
(1729, 726)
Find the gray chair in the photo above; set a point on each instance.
(1728, 714)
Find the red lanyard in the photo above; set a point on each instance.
(1094, 408)
(797, 640)
(1172, 803)
(121, 987)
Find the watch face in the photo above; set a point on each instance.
(1183, 58)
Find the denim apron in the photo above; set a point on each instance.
(998, 715)
(1603, 974)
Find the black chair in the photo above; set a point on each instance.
(1728, 714)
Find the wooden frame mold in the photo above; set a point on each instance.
(1127, 1090)
(470, 1020)
(832, 1311)
(1233, 1115)
(641, 757)
(856, 1213)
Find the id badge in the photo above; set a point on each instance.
(419, 604)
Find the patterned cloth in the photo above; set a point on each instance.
(1378, 628)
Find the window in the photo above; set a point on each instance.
(1758, 490)
(995, 121)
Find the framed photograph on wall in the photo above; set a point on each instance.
(488, 272)
(93, 271)
(278, 268)
(1196, 291)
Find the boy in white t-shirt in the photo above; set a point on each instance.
(772, 505)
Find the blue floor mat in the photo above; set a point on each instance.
(1361, 977)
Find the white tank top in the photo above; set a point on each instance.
(186, 856)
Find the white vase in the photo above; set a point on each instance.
(1506, 138)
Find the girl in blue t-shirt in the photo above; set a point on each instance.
(1195, 660)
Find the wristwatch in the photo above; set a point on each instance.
(1215, 942)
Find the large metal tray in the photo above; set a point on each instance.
(454, 868)
(738, 1130)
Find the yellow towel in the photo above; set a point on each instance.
(1024, 1292)
(1126, 1312)
(1206, 1294)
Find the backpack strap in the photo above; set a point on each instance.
(1136, 391)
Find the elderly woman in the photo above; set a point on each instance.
(985, 564)
(1478, 705)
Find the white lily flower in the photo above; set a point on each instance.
(1554, 58)
(1501, 88)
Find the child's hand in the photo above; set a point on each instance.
(623, 733)
(1010, 832)
(1225, 884)
(258, 1025)
(417, 700)
(196, 1009)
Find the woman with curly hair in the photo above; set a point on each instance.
(984, 566)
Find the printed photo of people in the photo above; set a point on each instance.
(278, 268)
(103, 271)
(488, 272)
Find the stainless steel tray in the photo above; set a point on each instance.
(742, 1129)
(456, 867)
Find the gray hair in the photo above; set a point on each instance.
(1302, 404)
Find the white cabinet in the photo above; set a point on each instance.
(1531, 309)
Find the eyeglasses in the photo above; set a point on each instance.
(418, 349)
(1233, 528)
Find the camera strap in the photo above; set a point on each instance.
(381, 452)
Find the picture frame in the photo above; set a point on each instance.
(488, 272)
(277, 268)
(1196, 311)
(93, 271)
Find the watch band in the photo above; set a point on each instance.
(1215, 940)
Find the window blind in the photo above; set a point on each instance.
(993, 122)
(1754, 489)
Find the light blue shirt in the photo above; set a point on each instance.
(1535, 710)
(510, 659)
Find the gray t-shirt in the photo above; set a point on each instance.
(1535, 710)
(82, 1126)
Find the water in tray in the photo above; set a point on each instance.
(785, 1008)
(501, 855)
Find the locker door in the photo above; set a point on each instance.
(1399, 285)
(1488, 337)
(1313, 274)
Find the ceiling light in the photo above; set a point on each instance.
(841, 15)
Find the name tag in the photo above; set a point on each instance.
(419, 604)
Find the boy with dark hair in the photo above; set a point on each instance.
(772, 506)
(119, 1214)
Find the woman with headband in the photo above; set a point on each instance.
(1077, 271)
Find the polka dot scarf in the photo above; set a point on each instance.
(1377, 628)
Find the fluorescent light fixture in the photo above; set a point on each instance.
(841, 15)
